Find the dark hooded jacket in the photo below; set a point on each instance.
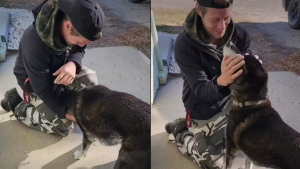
(200, 65)
(42, 51)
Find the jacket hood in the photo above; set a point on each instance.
(45, 23)
(194, 28)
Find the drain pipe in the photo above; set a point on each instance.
(159, 71)
(4, 25)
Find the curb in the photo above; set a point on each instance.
(4, 25)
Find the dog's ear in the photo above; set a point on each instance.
(255, 70)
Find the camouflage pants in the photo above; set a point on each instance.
(40, 117)
(206, 145)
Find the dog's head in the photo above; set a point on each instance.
(252, 84)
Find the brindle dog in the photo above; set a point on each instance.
(113, 117)
(254, 127)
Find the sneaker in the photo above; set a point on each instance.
(176, 126)
(11, 100)
(20, 110)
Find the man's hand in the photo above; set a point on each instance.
(228, 67)
(65, 74)
(70, 117)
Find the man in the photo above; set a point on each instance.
(198, 53)
(49, 63)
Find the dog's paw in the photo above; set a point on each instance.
(84, 154)
(77, 154)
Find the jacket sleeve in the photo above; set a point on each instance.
(76, 57)
(41, 81)
(205, 89)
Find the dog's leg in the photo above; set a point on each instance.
(230, 153)
(86, 144)
(248, 164)
(229, 159)
(121, 161)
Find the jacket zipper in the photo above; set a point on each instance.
(67, 53)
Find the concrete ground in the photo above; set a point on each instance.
(125, 10)
(284, 95)
(119, 68)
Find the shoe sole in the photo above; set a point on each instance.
(4, 107)
(11, 91)
(167, 128)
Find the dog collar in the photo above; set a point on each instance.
(247, 103)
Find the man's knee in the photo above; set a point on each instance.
(64, 129)
(20, 110)
(181, 136)
(54, 124)
(87, 77)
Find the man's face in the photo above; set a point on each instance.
(77, 40)
(72, 39)
(215, 21)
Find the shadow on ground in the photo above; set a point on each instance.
(273, 40)
(105, 166)
(170, 29)
(166, 152)
(67, 160)
(13, 155)
(2, 112)
(63, 160)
